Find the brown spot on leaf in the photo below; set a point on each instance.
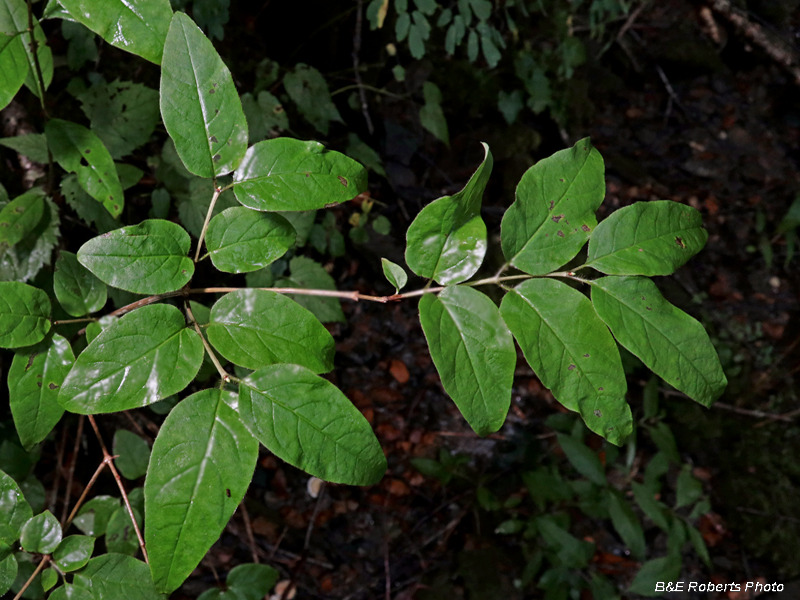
(641, 249)
(213, 139)
(216, 111)
(552, 204)
(211, 91)
(343, 181)
(39, 383)
(216, 158)
(571, 368)
(648, 308)
(600, 389)
(87, 151)
(228, 492)
(597, 413)
(278, 109)
(585, 227)
(308, 174)
(585, 356)
(561, 180)
(560, 233)
(52, 386)
(30, 361)
(557, 218)
(679, 241)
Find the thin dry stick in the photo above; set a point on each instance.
(214, 199)
(249, 529)
(38, 570)
(65, 523)
(71, 471)
(107, 456)
(356, 49)
(226, 377)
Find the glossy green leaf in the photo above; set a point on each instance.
(473, 352)
(14, 22)
(49, 578)
(78, 150)
(87, 208)
(366, 155)
(25, 260)
(627, 524)
(70, 592)
(395, 274)
(666, 569)
(554, 211)
(572, 352)
(306, 273)
(13, 71)
(148, 258)
(306, 421)
(73, 552)
(78, 291)
(688, 489)
(288, 174)
(93, 516)
(41, 534)
(34, 381)
(667, 340)
(252, 581)
(120, 534)
(199, 103)
(309, 91)
(113, 576)
(256, 328)
(8, 568)
(123, 114)
(201, 465)
(431, 115)
(265, 115)
(24, 314)
(650, 506)
(133, 454)
(647, 238)
(447, 239)
(138, 27)
(583, 459)
(32, 145)
(14, 510)
(144, 357)
(240, 240)
(20, 217)
(699, 545)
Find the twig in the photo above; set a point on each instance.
(249, 529)
(306, 544)
(38, 570)
(356, 50)
(226, 377)
(752, 413)
(66, 523)
(66, 321)
(214, 198)
(71, 471)
(629, 23)
(110, 459)
(470, 434)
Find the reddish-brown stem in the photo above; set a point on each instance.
(110, 460)
(249, 529)
(71, 471)
(38, 570)
(66, 523)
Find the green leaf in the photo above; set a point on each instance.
(88, 209)
(13, 71)
(264, 115)
(73, 552)
(202, 462)
(667, 340)
(132, 453)
(688, 489)
(256, 328)
(569, 550)
(309, 274)
(240, 240)
(144, 357)
(654, 571)
(148, 258)
(139, 28)
(20, 217)
(93, 516)
(14, 510)
(473, 352)
(14, 23)
(447, 239)
(287, 174)
(123, 114)
(78, 291)
(553, 214)
(252, 581)
(116, 576)
(308, 89)
(82, 47)
(34, 380)
(627, 524)
(510, 104)
(24, 314)
(647, 238)
(572, 352)
(432, 117)
(32, 145)
(193, 206)
(23, 261)
(394, 274)
(80, 151)
(8, 568)
(699, 545)
(41, 534)
(306, 421)
(358, 150)
(49, 578)
(583, 459)
(70, 592)
(120, 535)
(199, 103)
(650, 506)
